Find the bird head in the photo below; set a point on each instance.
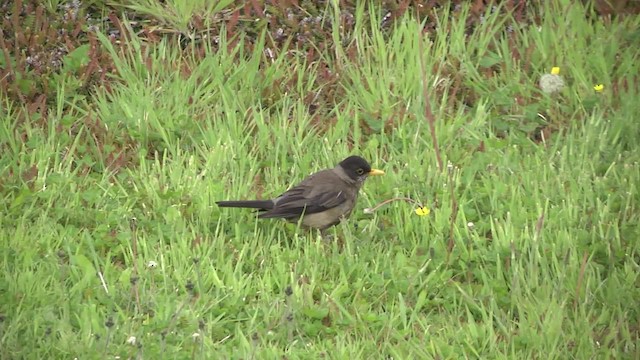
(358, 169)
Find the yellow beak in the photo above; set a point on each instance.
(375, 172)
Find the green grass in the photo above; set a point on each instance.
(530, 251)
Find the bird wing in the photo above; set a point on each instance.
(318, 193)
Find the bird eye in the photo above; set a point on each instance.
(360, 171)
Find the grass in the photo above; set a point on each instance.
(112, 244)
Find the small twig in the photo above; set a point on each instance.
(581, 277)
(454, 215)
(104, 284)
(108, 324)
(431, 120)
(539, 225)
(134, 250)
(288, 316)
(172, 322)
(106, 343)
(139, 354)
(381, 204)
(193, 350)
(196, 263)
(254, 345)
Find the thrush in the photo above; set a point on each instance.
(322, 200)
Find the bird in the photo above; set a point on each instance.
(322, 200)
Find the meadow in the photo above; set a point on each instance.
(113, 247)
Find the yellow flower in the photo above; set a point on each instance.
(598, 88)
(422, 211)
(555, 70)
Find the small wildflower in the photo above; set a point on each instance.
(279, 33)
(598, 88)
(131, 340)
(555, 70)
(195, 336)
(422, 211)
(109, 323)
(152, 264)
(471, 225)
(189, 286)
(450, 166)
(33, 61)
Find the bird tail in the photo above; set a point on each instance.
(251, 204)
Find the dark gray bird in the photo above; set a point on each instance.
(322, 199)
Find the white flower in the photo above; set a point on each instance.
(449, 166)
(470, 225)
(152, 264)
(131, 340)
(551, 83)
